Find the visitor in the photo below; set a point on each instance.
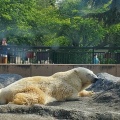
(96, 60)
(4, 51)
(4, 41)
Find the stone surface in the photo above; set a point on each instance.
(6, 79)
(104, 105)
(105, 82)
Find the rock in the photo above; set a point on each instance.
(104, 105)
(108, 88)
(105, 82)
(6, 79)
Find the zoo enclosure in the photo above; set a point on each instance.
(60, 55)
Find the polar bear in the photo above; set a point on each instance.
(61, 86)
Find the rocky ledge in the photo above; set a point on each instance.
(104, 105)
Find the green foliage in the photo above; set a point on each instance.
(60, 41)
(88, 31)
(45, 23)
(15, 16)
(114, 34)
(100, 8)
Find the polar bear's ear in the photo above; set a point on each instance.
(77, 73)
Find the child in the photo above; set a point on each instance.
(96, 60)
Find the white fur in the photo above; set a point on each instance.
(58, 87)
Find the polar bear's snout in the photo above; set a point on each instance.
(95, 79)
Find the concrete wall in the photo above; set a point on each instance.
(45, 70)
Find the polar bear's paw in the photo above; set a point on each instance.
(30, 96)
(25, 99)
(85, 93)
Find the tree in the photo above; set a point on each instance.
(14, 18)
(114, 35)
(81, 31)
(66, 23)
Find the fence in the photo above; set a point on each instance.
(59, 55)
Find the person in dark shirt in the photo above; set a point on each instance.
(4, 51)
(4, 41)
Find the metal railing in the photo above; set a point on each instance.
(58, 55)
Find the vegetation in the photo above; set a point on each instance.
(66, 23)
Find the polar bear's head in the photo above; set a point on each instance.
(87, 76)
